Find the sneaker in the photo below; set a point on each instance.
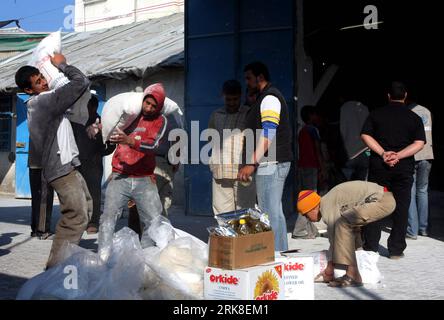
(423, 233)
(396, 256)
(412, 237)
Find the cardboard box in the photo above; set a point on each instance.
(264, 282)
(298, 276)
(241, 252)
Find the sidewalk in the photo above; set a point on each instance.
(417, 276)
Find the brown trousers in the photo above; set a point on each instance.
(76, 210)
(348, 227)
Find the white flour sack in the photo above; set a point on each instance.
(40, 59)
(120, 111)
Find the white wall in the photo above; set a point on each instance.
(100, 14)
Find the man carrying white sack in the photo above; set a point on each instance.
(345, 209)
(133, 169)
(53, 148)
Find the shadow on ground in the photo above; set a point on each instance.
(10, 285)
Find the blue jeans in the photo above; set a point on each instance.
(419, 205)
(119, 191)
(270, 180)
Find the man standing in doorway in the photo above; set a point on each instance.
(269, 120)
(394, 134)
(229, 194)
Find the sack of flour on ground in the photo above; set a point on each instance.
(41, 59)
(122, 109)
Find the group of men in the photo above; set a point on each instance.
(250, 176)
(244, 176)
(357, 210)
(354, 211)
(74, 169)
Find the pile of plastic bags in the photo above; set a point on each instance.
(172, 269)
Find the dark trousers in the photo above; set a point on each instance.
(134, 221)
(92, 172)
(400, 183)
(42, 201)
(357, 168)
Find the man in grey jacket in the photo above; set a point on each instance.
(54, 149)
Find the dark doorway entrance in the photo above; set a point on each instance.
(404, 47)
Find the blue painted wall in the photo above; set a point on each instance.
(22, 186)
(221, 37)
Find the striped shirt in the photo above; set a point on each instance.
(270, 116)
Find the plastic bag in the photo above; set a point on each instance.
(255, 218)
(179, 267)
(368, 266)
(161, 231)
(320, 262)
(83, 275)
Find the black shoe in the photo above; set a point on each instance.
(34, 234)
(423, 233)
(308, 236)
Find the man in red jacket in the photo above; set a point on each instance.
(133, 169)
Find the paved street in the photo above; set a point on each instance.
(417, 276)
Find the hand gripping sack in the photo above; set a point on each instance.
(40, 59)
(120, 111)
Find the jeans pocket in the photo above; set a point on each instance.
(283, 169)
(267, 169)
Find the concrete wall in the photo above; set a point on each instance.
(100, 14)
(7, 174)
(7, 163)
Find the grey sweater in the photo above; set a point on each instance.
(45, 112)
(352, 118)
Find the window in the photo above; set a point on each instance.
(6, 117)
